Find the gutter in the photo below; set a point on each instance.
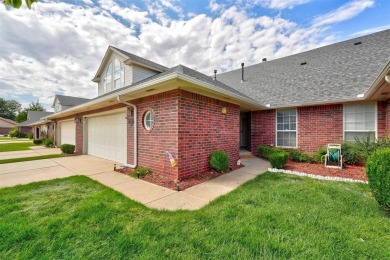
(375, 84)
(135, 131)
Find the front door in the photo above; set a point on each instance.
(245, 130)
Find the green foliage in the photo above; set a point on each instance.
(18, 3)
(10, 147)
(378, 173)
(318, 155)
(68, 148)
(219, 160)
(30, 135)
(33, 158)
(48, 142)
(9, 108)
(14, 132)
(278, 159)
(299, 156)
(266, 151)
(351, 154)
(37, 142)
(141, 171)
(33, 106)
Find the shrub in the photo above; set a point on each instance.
(141, 171)
(378, 173)
(37, 142)
(30, 135)
(278, 159)
(13, 132)
(299, 156)
(266, 151)
(351, 154)
(68, 148)
(318, 155)
(219, 160)
(48, 142)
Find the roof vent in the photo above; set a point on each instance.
(242, 72)
(264, 59)
(303, 63)
(215, 74)
(357, 43)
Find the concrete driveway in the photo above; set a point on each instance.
(149, 194)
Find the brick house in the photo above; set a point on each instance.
(143, 109)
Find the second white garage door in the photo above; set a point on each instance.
(68, 132)
(107, 137)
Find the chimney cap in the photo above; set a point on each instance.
(242, 64)
(264, 59)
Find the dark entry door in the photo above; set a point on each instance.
(245, 130)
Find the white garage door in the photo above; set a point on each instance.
(107, 137)
(68, 132)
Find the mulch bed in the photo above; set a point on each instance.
(350, 171)
(186, 182)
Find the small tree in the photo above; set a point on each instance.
(33, 106)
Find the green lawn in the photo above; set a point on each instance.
(273, 216)
(15, 147)
(32, 158)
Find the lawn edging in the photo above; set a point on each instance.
(31, 158)
(313, 176)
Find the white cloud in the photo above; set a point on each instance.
(57, 47)
(345, 12)
(279, 4)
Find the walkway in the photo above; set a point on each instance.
(149, 194)
(34, 151)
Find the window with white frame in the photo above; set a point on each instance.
(359, 121)
(286, 128)
(114, 77)
(149, 120)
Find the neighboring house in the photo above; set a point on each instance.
(143, 109)
(6, 125)
(62, 102)
(40, 128)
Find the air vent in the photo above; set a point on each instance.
(303, 63)
(357, 43)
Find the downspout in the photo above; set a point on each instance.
(135, 130)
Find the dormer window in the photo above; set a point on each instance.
(114, 77)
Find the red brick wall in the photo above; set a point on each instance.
(388, 117)
(262, 129)
(382, 118)
(152, 145)
(79, 136)
(203, 129)
(319, 125)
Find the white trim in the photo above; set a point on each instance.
(362, 131)
(149, 111)
(296, 128)
(108, 112)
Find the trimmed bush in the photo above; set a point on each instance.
(30, 135)
(351, 154)
(141, 171)
(13, 132)
(266, 151)
(278, 159)
(48, 142)
(318, 155)
(299, 156)
(37, 142)
(219, 160)
(68, 148)
(378, 173)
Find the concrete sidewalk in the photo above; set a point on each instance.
(149, 194)
(34, 151)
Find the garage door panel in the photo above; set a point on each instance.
(68, 132)
(107, 137)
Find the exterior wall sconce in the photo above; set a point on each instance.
(224, 110)
(77, 120)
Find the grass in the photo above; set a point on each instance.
(32, 158)
(273, 216)
(15, 147)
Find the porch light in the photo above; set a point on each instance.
(77, 120)
(224, 110)
(387, 78)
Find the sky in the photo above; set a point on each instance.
(57, 46)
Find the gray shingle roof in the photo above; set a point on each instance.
(8, 120)
(71, 101)
(34, 116)
(141, 60)
(188, 72)
(333, 73)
